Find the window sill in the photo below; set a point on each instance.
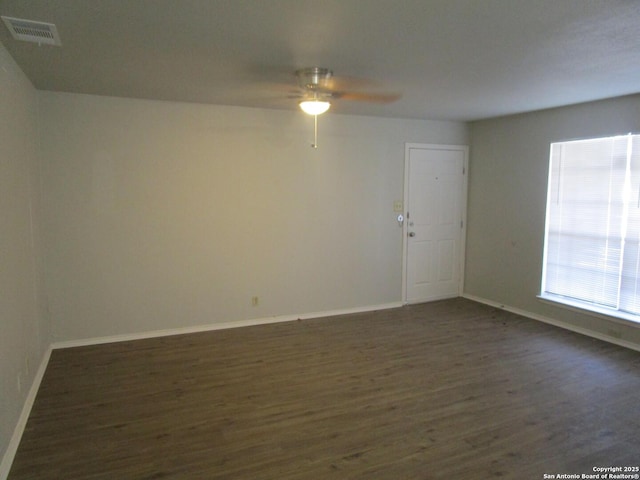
(592, 310)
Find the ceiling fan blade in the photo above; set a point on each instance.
(343, 83)
(368, 96)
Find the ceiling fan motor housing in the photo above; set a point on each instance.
(314, 78)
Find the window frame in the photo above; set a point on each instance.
(574, 304)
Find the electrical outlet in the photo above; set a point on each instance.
(397, 206)
(254, 301)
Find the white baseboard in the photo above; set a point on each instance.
(557, 323)
(219, 326)
(12, 448)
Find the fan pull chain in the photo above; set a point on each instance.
(315, 132)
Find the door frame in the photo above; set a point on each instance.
(463, 231)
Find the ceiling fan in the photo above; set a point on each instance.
(318, 88)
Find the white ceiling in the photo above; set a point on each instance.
(450, 59)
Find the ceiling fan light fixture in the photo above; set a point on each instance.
(314, 107)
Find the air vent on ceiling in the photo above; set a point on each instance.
(31, 31)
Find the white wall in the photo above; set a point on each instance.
(166, 215)
(507, 200)
(24, 330)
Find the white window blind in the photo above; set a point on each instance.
(592, 238)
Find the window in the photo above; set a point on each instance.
(592, 234)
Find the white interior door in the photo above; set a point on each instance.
(435, 200)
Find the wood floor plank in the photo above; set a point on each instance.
(449, 389)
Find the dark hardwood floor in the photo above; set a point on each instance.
(446, 390)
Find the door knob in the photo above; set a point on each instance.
(412, 234)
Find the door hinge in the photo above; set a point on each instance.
(461, 223)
